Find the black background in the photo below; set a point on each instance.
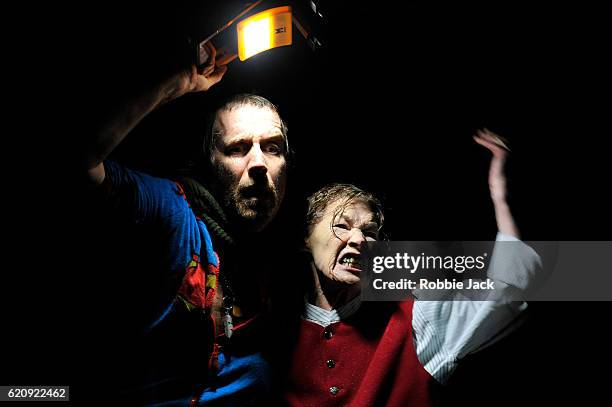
(390, 105)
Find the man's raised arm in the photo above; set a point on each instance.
(114, 130)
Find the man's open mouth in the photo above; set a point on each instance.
(262, 192)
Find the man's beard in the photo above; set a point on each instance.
(250, 206)
(254, 202)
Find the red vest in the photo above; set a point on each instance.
(368, 359)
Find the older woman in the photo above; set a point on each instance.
(383, 353)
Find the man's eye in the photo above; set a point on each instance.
(273, 148)
(341, 226)
(235, 150)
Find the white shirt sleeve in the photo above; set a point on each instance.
(447, 331)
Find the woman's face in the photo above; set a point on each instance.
(336, 240)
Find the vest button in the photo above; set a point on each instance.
(334, 390)
(331, 363)
(327, 333)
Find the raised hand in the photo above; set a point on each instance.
(191, 80)
(497, 180)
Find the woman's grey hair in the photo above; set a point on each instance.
(346, 194)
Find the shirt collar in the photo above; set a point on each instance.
(324, 317)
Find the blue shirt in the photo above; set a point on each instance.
(179, 339)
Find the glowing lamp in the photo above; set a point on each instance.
(263, 31)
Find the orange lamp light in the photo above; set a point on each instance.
(263, 31)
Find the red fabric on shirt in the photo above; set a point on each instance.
(374, 361)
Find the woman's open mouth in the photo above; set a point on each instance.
(350, 261)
